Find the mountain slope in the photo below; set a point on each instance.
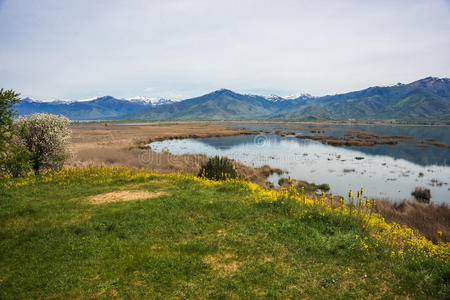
(425, 99)
(219, 105)
(97, 109)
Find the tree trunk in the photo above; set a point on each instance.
(36, 166)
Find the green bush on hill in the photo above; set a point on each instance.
(218, 168)
(14, 159)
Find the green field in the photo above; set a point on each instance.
(62, 237)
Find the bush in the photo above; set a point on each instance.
(218, 168)
(283, 181)
(324, 187)
(14, 159)
(17, 161)
(47, 137)
(422, 194)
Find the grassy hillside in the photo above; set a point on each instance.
(425, 100)
(105, 233)
(218, 105)
(415, 107)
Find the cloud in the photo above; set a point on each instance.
(63, 49)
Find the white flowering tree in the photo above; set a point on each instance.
(47, 137)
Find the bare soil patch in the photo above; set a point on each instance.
(121, 196)
(223, 264)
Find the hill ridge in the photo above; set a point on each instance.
(423, 100)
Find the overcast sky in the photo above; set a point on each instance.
(76, 49)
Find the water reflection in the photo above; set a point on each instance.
(379, 171)
(403, 150)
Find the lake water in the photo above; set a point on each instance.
(384, 171)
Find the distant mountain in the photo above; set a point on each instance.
(273, 98)
(93, 109)
(276, 98)
(425, 100)
(151, 101)
(219, 105)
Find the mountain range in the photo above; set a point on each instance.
(425, 100)
(99, 108)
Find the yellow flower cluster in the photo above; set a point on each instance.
(402, 238)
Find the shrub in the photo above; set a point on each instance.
(14, 159)
(422, 194)
(324, 187)
(218, 168)
(47, 137)
(283, 181)
(7, 113)
(17, 161)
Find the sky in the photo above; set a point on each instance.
(61, 49)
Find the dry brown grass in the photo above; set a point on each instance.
(95, 144)
(354, 138)
(223, 264)
(120, 196)
(428, 219)
(439, 144)
(89, 135)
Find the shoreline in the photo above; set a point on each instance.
(386, 123)
(109, 137)
(110, 145)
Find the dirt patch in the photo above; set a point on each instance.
(266, 259)
(120, 196)
(224, 263)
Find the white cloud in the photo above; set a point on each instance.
(63, 49)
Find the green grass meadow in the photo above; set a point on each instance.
(195, 241)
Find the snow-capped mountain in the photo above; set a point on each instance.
(298, 96)
(89, 109)
(273, 98)
(58, 101)
(276, 98)
(151, 101)
(427, 99)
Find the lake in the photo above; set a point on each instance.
(385, 171)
